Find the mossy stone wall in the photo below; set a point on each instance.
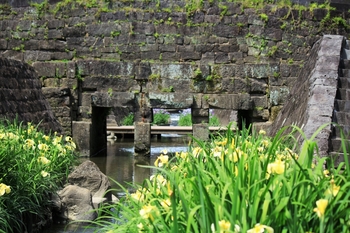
(221, 56)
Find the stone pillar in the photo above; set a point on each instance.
(200, 120)
(201, 131)
(142, 139)
(81, 136)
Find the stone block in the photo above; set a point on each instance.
(200, 112)
(259, 102)
(3, 44)
(171, 100)
(73, 31)
(201, 131)
(278, 95)
(45, 69)
(143, 71)
(219, 100)
(150, 55)
(81, 136)
(122, 99)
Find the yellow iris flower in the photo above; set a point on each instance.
(276, 167)
(259, 228)
(321, 207)
(4, 189)
(161, 160)
(43, 160)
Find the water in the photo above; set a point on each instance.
(122, 166)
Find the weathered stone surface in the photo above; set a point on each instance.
(171, 100)
(142, 142)
(22, 96)
(88, 175)
(76, 203)
(317, 110)
(80, 129)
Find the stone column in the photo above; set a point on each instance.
(201, 131)
(142, 139)
(200, 123)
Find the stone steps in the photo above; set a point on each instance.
(337, 129)
(336, 145)
(342, 118)
(339, 157)
(341, 105)
(343, 94)
(341, 114)
(344, 80)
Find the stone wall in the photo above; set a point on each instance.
(164, 55)
(21, 96)
(311, 102)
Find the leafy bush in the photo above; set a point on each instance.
(185, 118)
(161, 117)
(32, 167)
(128, 120)
(239, 182)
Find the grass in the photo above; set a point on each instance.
(128, 120)
(32, 167)
(238, 182)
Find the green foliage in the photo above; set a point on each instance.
(19, 48)
(110, 92)
(161, 117)
(198, 73)
(154, 77)
(41, 8)
(264, 17)
(32, 168)
(128, 120)
(223, 10)
(238, 182)
(193, 6)
(168, 89)
(272, 51)
(115, 33)
(185, 118)
(213, 120)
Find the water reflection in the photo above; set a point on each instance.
(121, 165)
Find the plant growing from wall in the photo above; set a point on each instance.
(224, 9)
(128, 120)
(115, 33)
(41, 8)
(192, 6)
(264, 17)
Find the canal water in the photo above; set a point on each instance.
(121, 165)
